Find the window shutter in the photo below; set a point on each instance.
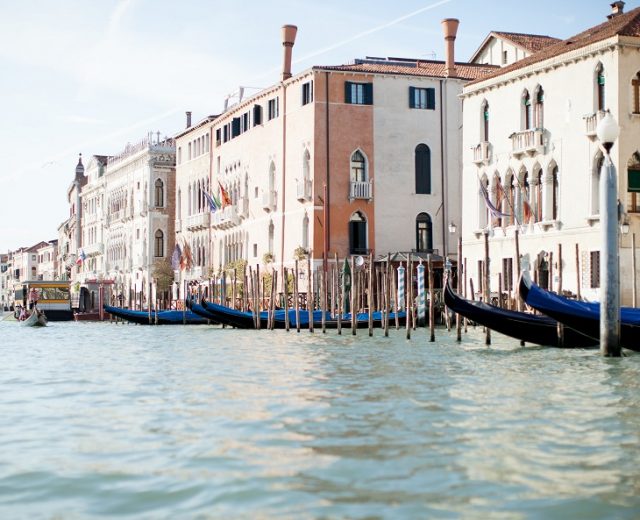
(257, 115)
(412, 97)
(368, 93)
(347, 92)
(431, 98)
(235, 127)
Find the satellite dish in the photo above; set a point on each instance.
(359, 261)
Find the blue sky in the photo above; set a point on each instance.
(88, 77)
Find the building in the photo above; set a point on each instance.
(47, 268)
(529, 143)
(335, 160)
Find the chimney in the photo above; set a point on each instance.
(188, 119)
(450, 28)
(616, 9)
(288, 39)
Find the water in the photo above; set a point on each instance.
(99, 420)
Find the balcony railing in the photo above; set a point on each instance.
(527, 142)
(94, 249)
(198, 221)
(226, 218)
(115, 216)
(304, 190)
(591, 123)
(269, 200)
(361, 190)
(482, 153)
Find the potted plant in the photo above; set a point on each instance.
(300, 253)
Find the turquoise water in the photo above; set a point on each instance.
(99, 420)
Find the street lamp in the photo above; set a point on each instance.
(452, 228)
(607, 132)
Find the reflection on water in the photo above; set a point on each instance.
(198, 422)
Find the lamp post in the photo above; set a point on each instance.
(607, 132)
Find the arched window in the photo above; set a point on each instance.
(510, 189)
(527, 111)
(537, 195)
(423, 168)
(306, 166)
(485, 121)
(554, 201)
(358, 234)
(358, 167)
(599, 77)
(159, 198)
(272, 177)
(179, 204)
(633, 185)
(305, 232)
(635, 89)
(498, 199)
(524, 209)
(271, 235)
(424, 233)
(189, 206)
(595, 183)
(483, 209)
(159, 244)
(539, 108)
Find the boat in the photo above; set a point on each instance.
(166, 317)
(198, 309)
(530, 328)
(579, 315)
(35, 319)
(53, 297)
(245, 320)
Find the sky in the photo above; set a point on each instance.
(90, 77)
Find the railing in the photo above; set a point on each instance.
(94, 249)
(361, 190)
(527, 141)
(482, 152)
(269, 200)
(199, 221)
(114, 216)
(304, 190)
(226, 218)
(591, 123)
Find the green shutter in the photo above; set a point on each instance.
(412, 97)
(633, 177)
(347, 92)
(368, 93)
(431, 98)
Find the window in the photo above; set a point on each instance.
(235, 127)
(507, 274)
(257, 115)
(159, 194)
(179, 156)
(527, 115)
(424, 233)
(307, 92)
(525, 206)
(271, 235)
(633, 183)
(504, 57)
(245, 122)
(189, 157)
(537, 198)
(635, 87)
(255, 250)
(424, 98)
(595, 183)
(483, 210)
(272, 109)
(485, 121)
(305, 232)
(498, 197)
(554, 193)
(510, 199)
(357, 234)
(594, 269)
(218, 136)
(423, 169)
(539, 108)
(358, 167)
(600, 104)
(358, 93)
(159, 244)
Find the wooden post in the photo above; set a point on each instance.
(432, 297)
(634, 285)
(394, 295)
(559, 268)
(487, 290)
(460, 273)
(272, 302)
(259, 298)
(407, 291)
(518, 268)
(296, 297)
(500, 290)
(370, 295)
(354, 296)
(184, 304)
(578, 271)
(387, 304)
(234, 288)
(464, 269)
(324, 293)
(245, 288)
(339, 295)
(285, 288)
(310, 295)
(550, 285)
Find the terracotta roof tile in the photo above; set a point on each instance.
(530, 42)
(418, 68)
(626, 24)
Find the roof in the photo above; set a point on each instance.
(199, 124)
(406, 67)
(626, 24)
(528, 42)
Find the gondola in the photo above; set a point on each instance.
(35, 319)
(530, 328)
(167, 317)
(245, 320)
(584, 316)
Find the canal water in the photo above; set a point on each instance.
(99, 420)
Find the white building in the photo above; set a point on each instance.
(529, 138)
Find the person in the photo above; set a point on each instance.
(33, 297)
(23, 314)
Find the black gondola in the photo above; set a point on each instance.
(526, 327)
(168, 317)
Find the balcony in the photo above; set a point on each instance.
(226, 218)
(304, 190)
(198, 221)
(269, 200)
(361, 190)
(482, 153)
(115, 216)
(591, 123)
(94, 249)
(527, 142)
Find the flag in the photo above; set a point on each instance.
(526, 210)
(81, 257)
(216, 201)
(213, 207)
(226, 200)
(494, 211)
(175, 258)
(186, 260)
